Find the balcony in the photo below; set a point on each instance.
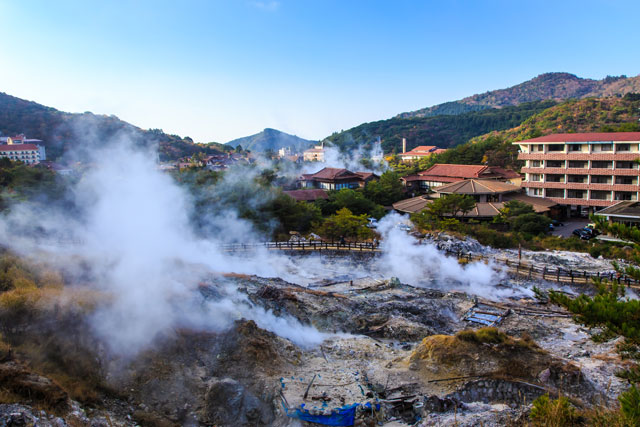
(578, 179)
(625, 195)
(554, 178)
(600, 195)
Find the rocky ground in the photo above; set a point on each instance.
(391, 348)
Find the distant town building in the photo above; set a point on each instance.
(315, 154)
(443, 174)
(26, 153)
(418, 152)
(336, 179)
(285, 152)
(20, 148)
(582, 171)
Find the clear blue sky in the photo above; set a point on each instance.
(217, 70)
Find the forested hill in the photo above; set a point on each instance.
(549, 86)
(271, 140)
(61, 131)
(612, 114)
(443, 131)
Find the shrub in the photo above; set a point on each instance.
(553, 413)
(630, 405)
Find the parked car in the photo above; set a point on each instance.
(555, 223)
(585, 233)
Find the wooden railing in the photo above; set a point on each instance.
(518, 268)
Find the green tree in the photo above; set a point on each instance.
(451, 205)
(385, 191)
(354, 200)
(345, 224)
(530, 223)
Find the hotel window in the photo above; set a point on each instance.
(626, 165)
(575, 147)
(600, 195)
(536, 192)
(626, 180)
(625, 195)
(577, 164)
(577, 194)
(555, 192)
(555, 163)
(606, 147)
(600, 164)
(535, 177)
(600, 179)
(536, 148)
(535, 163)
(623, 147)
(555, 147)
(581, 179)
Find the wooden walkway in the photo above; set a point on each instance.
(515, 268)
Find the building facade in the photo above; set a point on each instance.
(26, 153)
(336, 179)
(582, 171)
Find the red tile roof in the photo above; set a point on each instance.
(332, 173)
(451, 173)
(454, 171)
(307, 195)
(18, 147)
(424, 150)
(586, 137)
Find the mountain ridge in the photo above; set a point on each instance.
(271, 139)
(557, 86)
(60, 131)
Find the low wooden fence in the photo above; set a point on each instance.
(304, 246)
(526, 270)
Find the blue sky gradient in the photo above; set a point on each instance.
(218, 70)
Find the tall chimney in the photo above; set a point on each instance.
(404, 145)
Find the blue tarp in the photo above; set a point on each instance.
(344, 416)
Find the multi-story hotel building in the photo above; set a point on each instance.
(583, 171)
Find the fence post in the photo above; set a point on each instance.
(585, 276)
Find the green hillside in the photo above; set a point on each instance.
(271, 140)
(443, 131)
(61, 131)
(549, 86)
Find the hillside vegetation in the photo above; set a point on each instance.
(548, 86)
(61, 131)
(442, 131)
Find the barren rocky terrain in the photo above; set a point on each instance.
(390, 353)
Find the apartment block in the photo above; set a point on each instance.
(582, 170)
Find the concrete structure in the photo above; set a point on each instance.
(336, 179)
(582, 171)
(442, 174)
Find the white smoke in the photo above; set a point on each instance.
(134, 233)
(360, 159)
(133, 227)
